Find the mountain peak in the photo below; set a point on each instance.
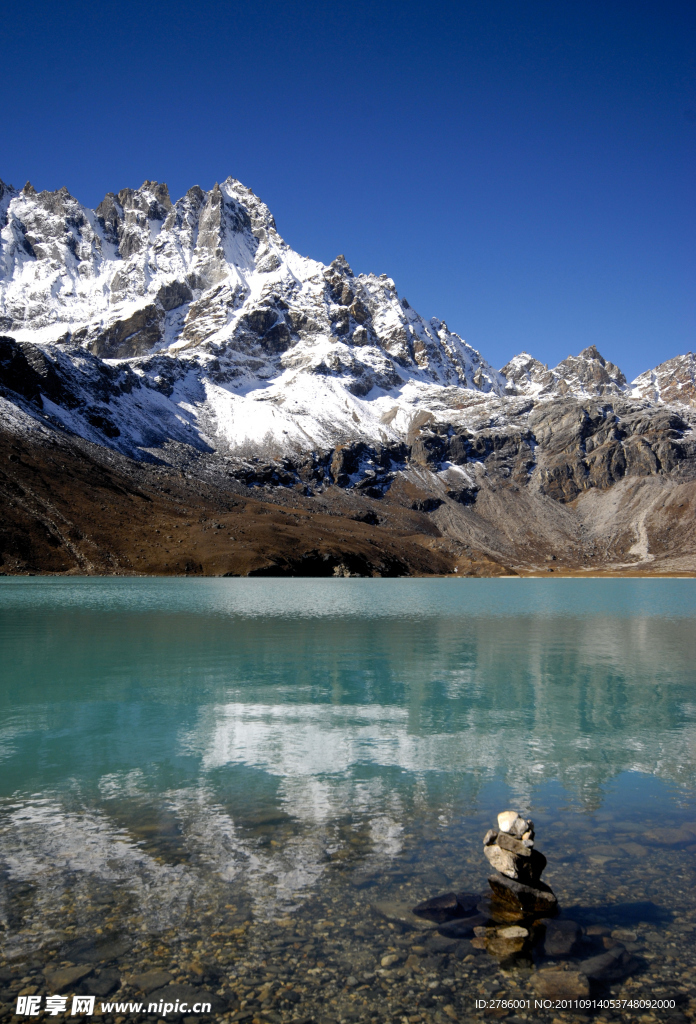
(591, 352)
(208, 282)
(585, 375)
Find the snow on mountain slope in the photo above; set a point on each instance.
(264, 345)
(670, 382)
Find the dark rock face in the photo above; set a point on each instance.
(586, 445)
(110, 218)
(26, 374)
(429, 449)
(359, 311)
(133, 336)
(568, 448)
(174, 294)
(375, 466)
(277, 338)
(37, 375)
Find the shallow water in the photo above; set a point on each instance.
(221, 778)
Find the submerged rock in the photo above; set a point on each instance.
(463, 927)
(448, 907)
(102, 984)
(186, 995)
(401, 913)
(555, 983)
(507, 941)
(561, 937)
(615, 964)
(66, 977)
(150, 980)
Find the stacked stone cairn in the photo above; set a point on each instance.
(519, 922)
(517, 889)
(519, 899)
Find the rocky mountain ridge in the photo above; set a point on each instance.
(187, 337)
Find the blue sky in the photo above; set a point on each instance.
(523, 171)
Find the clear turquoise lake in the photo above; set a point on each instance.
(229, 780)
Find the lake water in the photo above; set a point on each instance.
(242, 783)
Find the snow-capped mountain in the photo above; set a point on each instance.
(588, 375)
(232, 340)
(189, 338)
(266, 346)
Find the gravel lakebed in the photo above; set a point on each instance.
(333, 940)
